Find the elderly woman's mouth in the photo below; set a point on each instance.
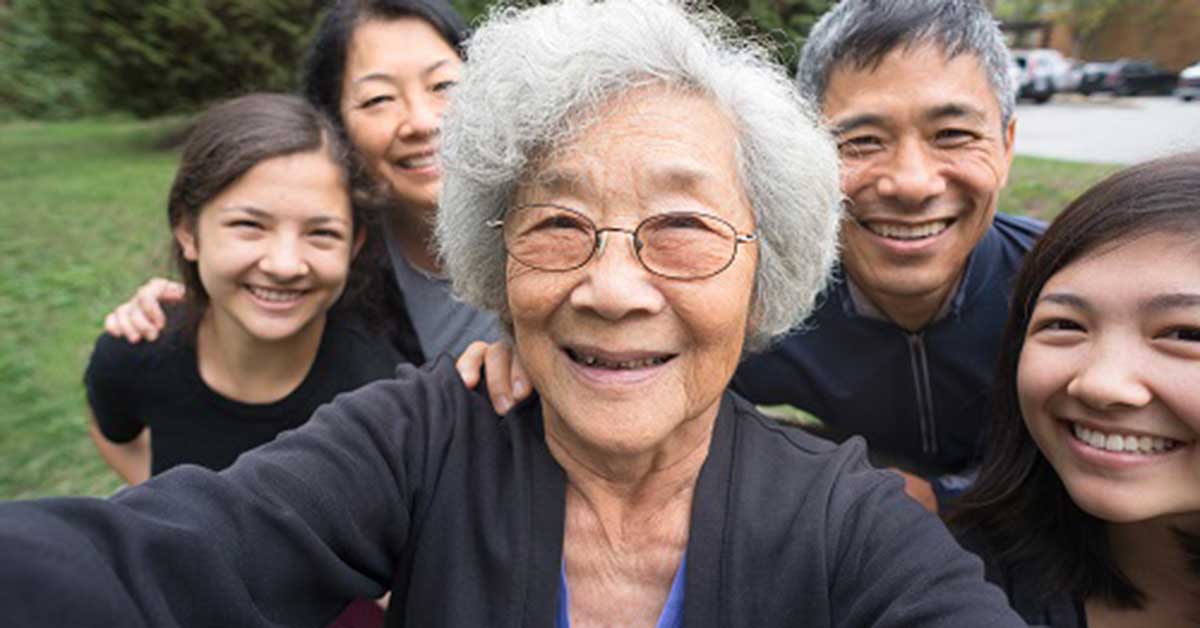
(617, 361)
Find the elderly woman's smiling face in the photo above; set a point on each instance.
(629, 362)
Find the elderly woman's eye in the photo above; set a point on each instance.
(559, 221)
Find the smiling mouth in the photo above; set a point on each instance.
(417, 162)
(1124, 443)
(617, 363)
(906, 233)
(275, 295)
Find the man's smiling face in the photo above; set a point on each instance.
(924, 156)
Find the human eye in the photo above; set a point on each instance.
(1056, 328)
(244, 224)
(375, 101)
(685, 222)
(442, 86)
(329, 234)
(550, 220)
(1182, 334)
(859, 145)
(954, 137)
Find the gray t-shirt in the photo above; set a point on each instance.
(443, 323)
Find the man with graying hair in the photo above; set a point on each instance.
(902, 351)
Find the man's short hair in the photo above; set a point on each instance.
(862, 32)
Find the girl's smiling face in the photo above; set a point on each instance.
(1109, 378)
(273, 249)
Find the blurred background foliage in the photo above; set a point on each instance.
(70, 58)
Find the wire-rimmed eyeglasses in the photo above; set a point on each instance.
(675, 245)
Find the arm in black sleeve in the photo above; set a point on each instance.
(897, 566)
(286, 536)
(112, 387)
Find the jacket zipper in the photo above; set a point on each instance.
(924, 392)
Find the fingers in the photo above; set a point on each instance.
(470, 363)
(142, 317)
(499, 380)
(520, 380)
(919, 489)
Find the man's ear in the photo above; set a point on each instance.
(185, 235)
(1010, 136)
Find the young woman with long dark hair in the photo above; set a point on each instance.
(1087, 509)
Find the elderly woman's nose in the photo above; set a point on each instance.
(1109, 377)
(615, 284)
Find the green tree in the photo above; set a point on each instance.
(42, 79)
(784, 22)
(164, 56)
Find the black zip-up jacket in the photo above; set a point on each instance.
(416, 485)
(921, 399)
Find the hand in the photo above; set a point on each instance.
(919, 489)
(142, 316)
(506, 379)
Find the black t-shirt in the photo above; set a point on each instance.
(158, 385)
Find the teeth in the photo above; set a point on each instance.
(591, 360)
(1127, 443)
(423, 161)
(278, 296)
(905, 232)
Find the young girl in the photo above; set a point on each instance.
(1087, 509)
(264, 234)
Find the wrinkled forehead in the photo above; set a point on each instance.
(646, 142)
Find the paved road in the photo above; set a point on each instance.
(1103, 129)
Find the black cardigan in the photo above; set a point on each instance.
(416, 483)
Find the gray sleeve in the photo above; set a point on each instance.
(286, 536)
(897, 566)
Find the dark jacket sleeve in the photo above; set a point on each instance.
(112, 387)
(896, 565)
(286, 536)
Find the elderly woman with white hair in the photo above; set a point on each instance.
(642, 199)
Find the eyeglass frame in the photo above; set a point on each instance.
(598, 242)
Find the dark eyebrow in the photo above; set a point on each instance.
(249, 209)
(1177, 300)
(384, 76)
(265, 215)
(957, 110)
(1069, 300)
(857, 122)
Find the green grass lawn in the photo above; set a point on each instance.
(83, 223)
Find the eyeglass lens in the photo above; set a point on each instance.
(681, 245)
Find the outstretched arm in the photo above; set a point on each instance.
(286, 536)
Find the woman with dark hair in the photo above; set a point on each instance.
(1087, 509)
(264, 234)
(380, 69)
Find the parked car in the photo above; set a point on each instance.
(1092, 75)
(1044, 72)
(1130, 77)
(1189, 82)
